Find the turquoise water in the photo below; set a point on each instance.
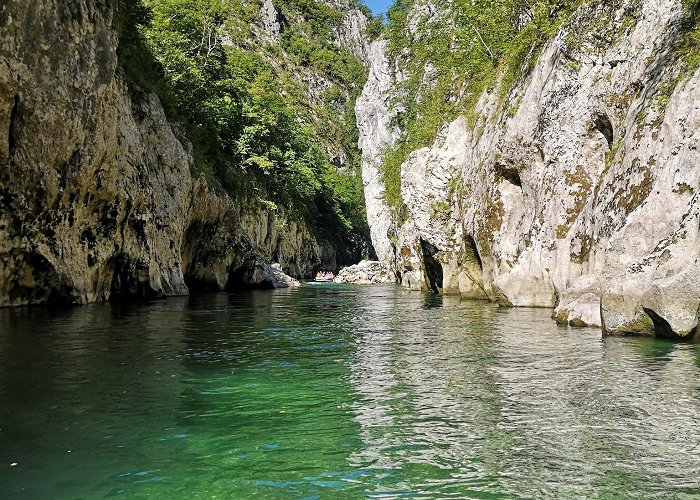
(339, 392)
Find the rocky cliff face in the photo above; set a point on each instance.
(579, 193)
(96, 196)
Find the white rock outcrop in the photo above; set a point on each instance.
(269, 21)
(367, 272)
(352, 34)
(374, 112)
(583, 197)
(283, 280)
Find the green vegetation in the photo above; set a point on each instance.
(450, 61)
(687, 49)
(691, 41)
(266, 117)
(685, 57)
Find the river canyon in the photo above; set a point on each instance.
(518, 182)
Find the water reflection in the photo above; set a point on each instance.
(481, 399)
(432, 300)
(413, 371)
(339, 391)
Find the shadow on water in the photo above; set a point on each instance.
(432, 300)
(654, 349)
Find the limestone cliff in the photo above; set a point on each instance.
(97, 199)
(578, 192)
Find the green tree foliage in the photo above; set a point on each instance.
(245, 105)
(689, 46)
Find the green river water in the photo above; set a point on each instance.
(339, 392)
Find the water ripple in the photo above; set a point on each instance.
(344, 392)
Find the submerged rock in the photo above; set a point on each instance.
(367, 272)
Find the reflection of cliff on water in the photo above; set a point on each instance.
(594, 412)
(467, 397)
(421, 372)
(340, 390)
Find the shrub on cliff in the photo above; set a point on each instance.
(451, 55)
(258, 128)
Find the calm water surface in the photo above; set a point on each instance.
(339, 392)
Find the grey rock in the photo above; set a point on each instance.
(270, 22)
(352, 34)
(97, 199)
(374, 113)
(283, 280)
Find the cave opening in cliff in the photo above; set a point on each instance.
(473, 251)
(472, 268)
(602, 124)
(512, 176)
(662, 328)
(236, 279)
(509, 173)
(433, 268)
(130, 279)
(48, 287)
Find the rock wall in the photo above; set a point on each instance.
(579, 194)
(96, 196)
(374, 111)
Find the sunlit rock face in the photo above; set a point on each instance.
(580, 193)
(270, 22)
(96, 197)
(367, 272)
(374, 113)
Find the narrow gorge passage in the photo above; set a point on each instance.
(343, 249)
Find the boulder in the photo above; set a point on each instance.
(367, 272)
(283, 280)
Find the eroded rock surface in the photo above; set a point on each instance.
(580, 193)
(96, 196)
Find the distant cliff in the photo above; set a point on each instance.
(563, 168)
(106, 194)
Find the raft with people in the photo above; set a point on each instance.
(324, 276)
